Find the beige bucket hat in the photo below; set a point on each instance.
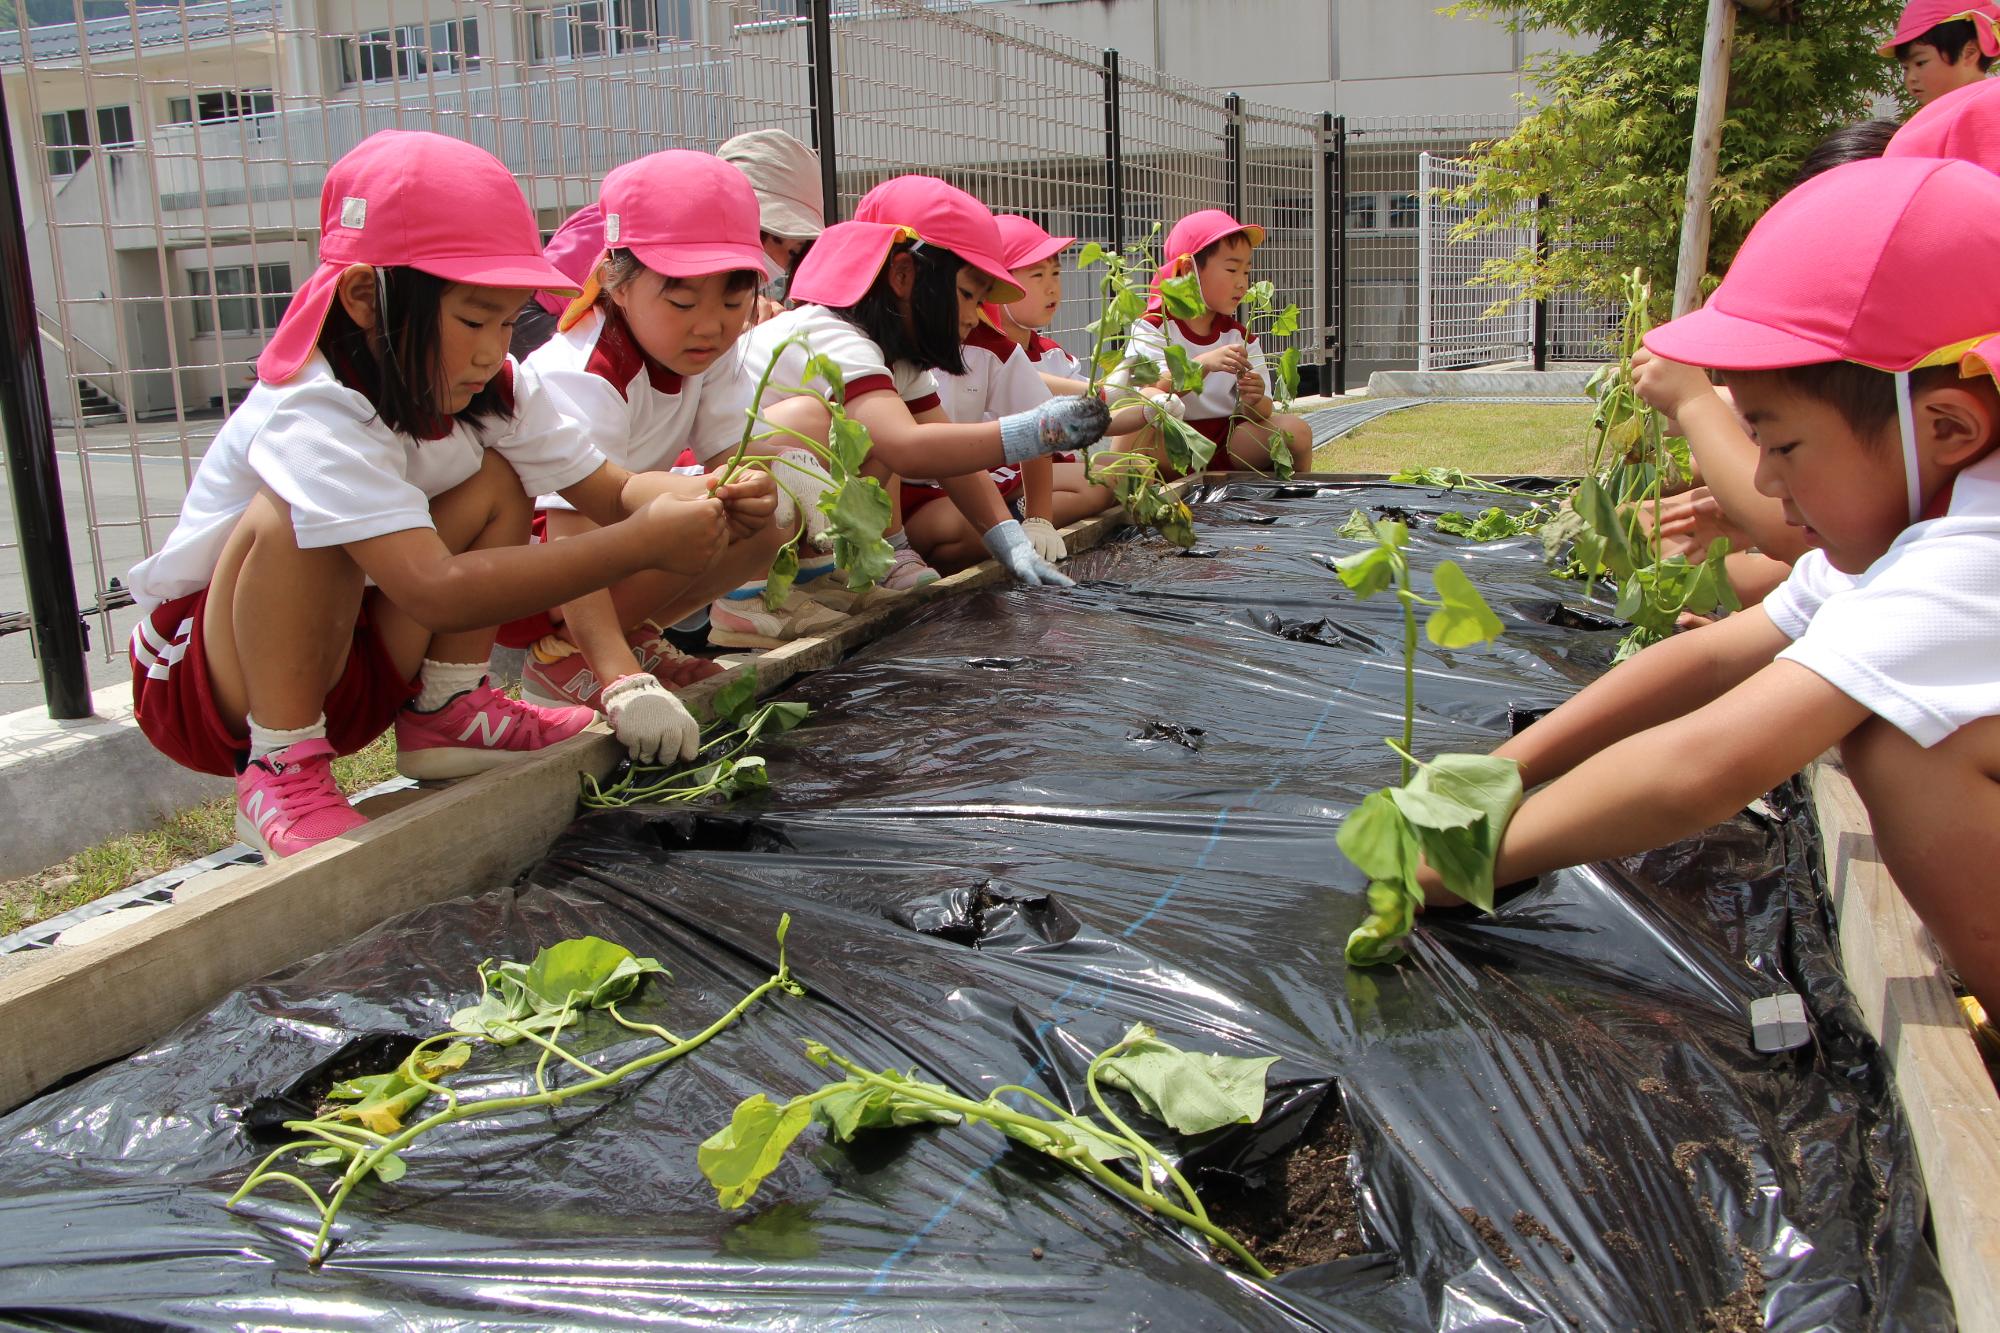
(785, 175)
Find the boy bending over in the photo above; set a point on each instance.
(1863, 362)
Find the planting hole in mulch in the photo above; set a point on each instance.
(1301, 1211)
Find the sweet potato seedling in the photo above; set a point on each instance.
(1191, 1092)
(724, 765)
(1260, 308)
(367, 1121)
(856, 507)
(1602, 532)
(1448, 812)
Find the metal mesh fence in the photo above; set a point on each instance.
(1457, 324)
(171, 157)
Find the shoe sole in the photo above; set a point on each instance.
(448, 764)
(724, 638)
(247, 833)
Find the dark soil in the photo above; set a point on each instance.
(1531, 1227)
(1490, 1234)
(1742, 1311)
(1303, 1211)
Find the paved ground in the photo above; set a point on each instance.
(118, 481)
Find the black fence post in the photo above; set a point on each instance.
(31, 463)
(819, 62)
(1333, 185)
(1232, 151)
(1114, 149)
(1541, 302)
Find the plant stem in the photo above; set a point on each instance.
(1075, 1155)
(363, 1163)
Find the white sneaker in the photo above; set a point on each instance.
(747, 623)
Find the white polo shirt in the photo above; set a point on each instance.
(998, 381)
(863, 368)
(322, 448)
(1152, 334)
(593, 386)
(1049, 357)
(1914, 638)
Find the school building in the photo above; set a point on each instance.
(170, 155)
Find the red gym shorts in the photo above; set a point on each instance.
(176, 707)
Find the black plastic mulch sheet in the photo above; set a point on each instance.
(1010, 831)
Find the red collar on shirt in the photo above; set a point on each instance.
(987, 338)
(617, 357)
(1039, 347)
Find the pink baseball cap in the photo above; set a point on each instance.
(844, 262)
(1193, 234)
(1964, 123)
(409, 198)
(682, 214)
(574, 250)
(1920, 16)
(1868, 263)
(1024, 244)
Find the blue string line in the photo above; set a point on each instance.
(1043, 1028)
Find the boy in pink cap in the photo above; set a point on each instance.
(1233, 407)
(644, 367)
(889, 297)
(377, 448)
(1943, 45)
(1863, 361)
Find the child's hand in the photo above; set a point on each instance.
(1048, 543)
(1230, 360)
(1690, 521)
(1667, 386)
(1055, 426)
(1250, 392)
(685, 536)
(1010, 546)
(763, 308)
(749, 501)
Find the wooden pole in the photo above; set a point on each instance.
(1716, 45)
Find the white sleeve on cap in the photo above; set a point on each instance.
(567, 422)
(344, 476)
(1915, 639)
(725, 390)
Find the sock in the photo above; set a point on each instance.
(441, 682)
(264, 740)
(899, 539)
(551, 648)
(814, 567)
(743, 592)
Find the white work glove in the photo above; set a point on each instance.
(1048, 543)
(655, 727)
(1011, 547)
(1175, 408)
(802, 475)
(1056, 426)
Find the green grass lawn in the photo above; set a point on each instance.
(120, 862)
(1499, 439)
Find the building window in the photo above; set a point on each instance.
(247, 298)
(223, 104)
(387, 55)
(609, 27)
(1404, 209)
(66, 135)
(1361, 213)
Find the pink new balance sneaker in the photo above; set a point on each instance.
(557, 674)
(478, 730)
(287, 802)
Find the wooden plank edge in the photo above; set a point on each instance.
(1947, 1096)
(71, 1007)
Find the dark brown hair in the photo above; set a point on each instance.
(395, 364)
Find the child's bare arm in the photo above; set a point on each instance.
(1665, 681)
(1725, 456)
(592, 619)
(1678, 778)
(446, 593)
(1038, 488)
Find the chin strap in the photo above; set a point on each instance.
(1906, 423)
